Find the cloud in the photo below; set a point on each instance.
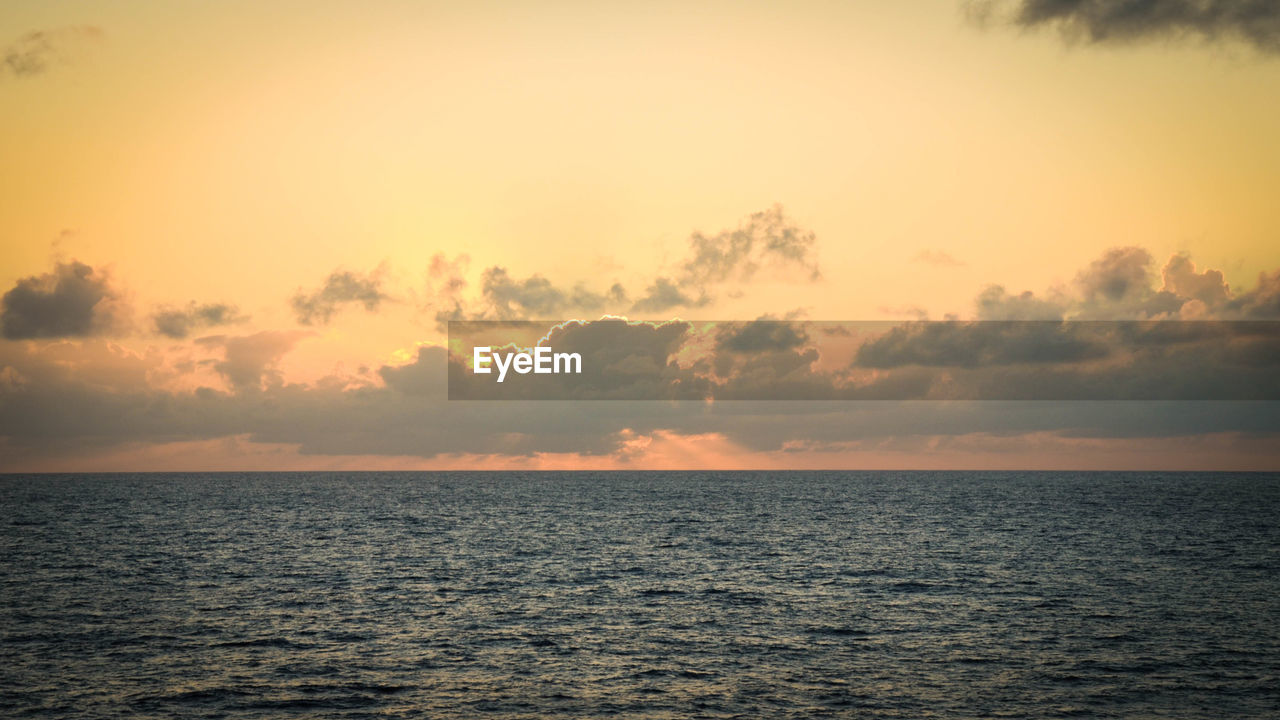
(340, 288)
(1181, 279)
(995, 303)
(983, 344)
(64, 398)
(251, 361)
(1263, 302)
(665, 294)
(770, 358)
(36, 52)
(179, 323)
(767, 240)
(801, 360)
(71, 301)
(69, 400)
(535, 296)
(620, 360)
(1120, 285)
(1119, 275)
(763, 335)
(1254, 22)
(936, 257)
(410, 417)
(765, 246)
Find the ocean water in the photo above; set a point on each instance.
(868, 595)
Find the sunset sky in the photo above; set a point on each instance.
(232, 232)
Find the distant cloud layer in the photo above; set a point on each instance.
(59, 399)
(37, 52)
(71, 301)
(1255, 22)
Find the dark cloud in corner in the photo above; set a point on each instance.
(340, 288)
(179, 323)
(71, 301)
(1255, 22)
(36, 52)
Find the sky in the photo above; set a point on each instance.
(233, 233)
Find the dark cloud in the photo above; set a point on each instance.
(62, 398)
(767, 245)
(763, 335)
(769, 358)
(340, 288)
(51, 409)
(1263, 302)
(620, 360)
(1121, 275)
(251, 361)
(1120, 285)
(1082, 360)
(768, 240)
(36, 52)
(995, 303)
(71, 301)
(535, 296)
(797, 360)
(410, 416)
(983, 344)
(179, 323)
(665, 294)
(1255, 22)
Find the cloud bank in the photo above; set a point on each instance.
(67, 390)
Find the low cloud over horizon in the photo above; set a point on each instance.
(68, 390)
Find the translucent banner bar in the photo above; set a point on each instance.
(619, 359)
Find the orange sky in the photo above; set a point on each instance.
(241, 153)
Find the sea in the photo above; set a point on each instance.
(640, 595)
